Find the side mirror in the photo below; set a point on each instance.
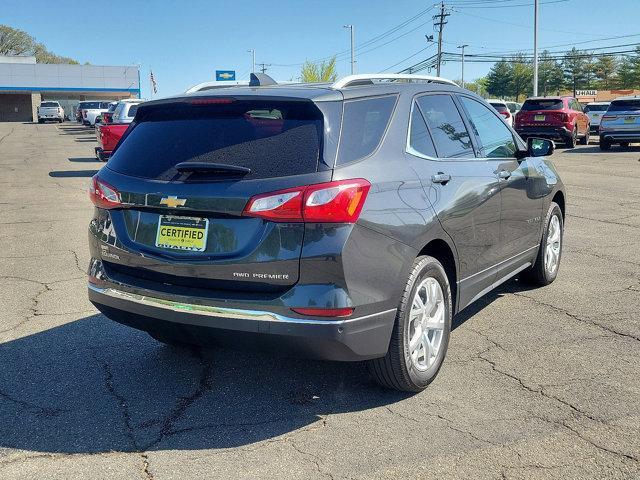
(540, 147)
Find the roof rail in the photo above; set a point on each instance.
(367, 78)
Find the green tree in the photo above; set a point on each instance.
(319, 72)
(18, 42)
(478, 86)
(498, 80)
(550, 74)
(521, 73)
(576, 65)
(629, 71)
(604, 70)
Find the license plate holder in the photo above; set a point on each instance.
(539, 118)
(182, 233)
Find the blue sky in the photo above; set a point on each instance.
(184, 42)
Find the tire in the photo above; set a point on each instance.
(40, 120)
(541, 273)
(605, 145)
(398, 369)
(572, 140)
(585, 140)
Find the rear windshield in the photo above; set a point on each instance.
(596, 108)
(49, 104)
(625, 106)
(272, 138)
(88, 105)
(500, 107)
(551, 104)
(132, 111)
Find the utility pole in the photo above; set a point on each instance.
(535, 48)
(263, 67)
(462, 47)
(353, 48)
(441, 17)
(252, 51)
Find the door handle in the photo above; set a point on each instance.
(504, 174)
(440, 177)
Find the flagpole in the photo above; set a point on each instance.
(150, 83)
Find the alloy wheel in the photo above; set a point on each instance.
(426, 324)
(552, 249)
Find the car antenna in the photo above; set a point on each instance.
(261, 80)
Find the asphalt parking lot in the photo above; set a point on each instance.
(538, 383)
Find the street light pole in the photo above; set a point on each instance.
(252, 51)
(353, 48)
(462, 47)
(535, 48)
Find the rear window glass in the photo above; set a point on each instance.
(132, 111)
(363, 125)
(551, 104)
(596, 108)
(445, 123)
(625, 106)
(272, 138)
(49, 104)
(89, 105)
(500, 107)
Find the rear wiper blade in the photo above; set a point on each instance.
(211, 167)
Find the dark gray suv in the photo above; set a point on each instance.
(347, 221)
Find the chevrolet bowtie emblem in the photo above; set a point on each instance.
(172, 201)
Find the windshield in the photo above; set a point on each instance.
(625, 106)
(544, 104)
(272, 138)
(596, 108)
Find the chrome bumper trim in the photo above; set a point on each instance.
(220, 312)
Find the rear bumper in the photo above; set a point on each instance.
(102, 154)
(552, 133)
(349, 339)
(620, 136)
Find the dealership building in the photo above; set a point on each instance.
(25, 83)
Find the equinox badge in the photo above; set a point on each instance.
(172, 201)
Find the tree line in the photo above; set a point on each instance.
(19, 42)
(575, 70)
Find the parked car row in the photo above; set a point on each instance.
(563, 119)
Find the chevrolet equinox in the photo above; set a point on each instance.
(347, 221)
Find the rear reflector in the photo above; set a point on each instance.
(332, 202)
(324, 312)
(103, 195)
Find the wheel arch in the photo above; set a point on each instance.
(560, 200)
(444, 253)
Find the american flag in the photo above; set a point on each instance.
(153, 82)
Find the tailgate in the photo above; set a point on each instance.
(187, 227)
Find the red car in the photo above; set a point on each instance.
(108, 134)
(557, 118)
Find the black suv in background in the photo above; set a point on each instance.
(346, 221)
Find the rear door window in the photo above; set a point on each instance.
(363, 125)
(496, 139)
(272, 138)
(447, 128)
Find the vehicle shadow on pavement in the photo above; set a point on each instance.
(72, 173)
(93, 385)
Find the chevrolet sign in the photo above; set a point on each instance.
(225, 75)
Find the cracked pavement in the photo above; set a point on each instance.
(538, 383)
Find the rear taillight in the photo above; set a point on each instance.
(103, 195)
(324, 312)
(506, 114)
(564, 117)
(331, 202)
